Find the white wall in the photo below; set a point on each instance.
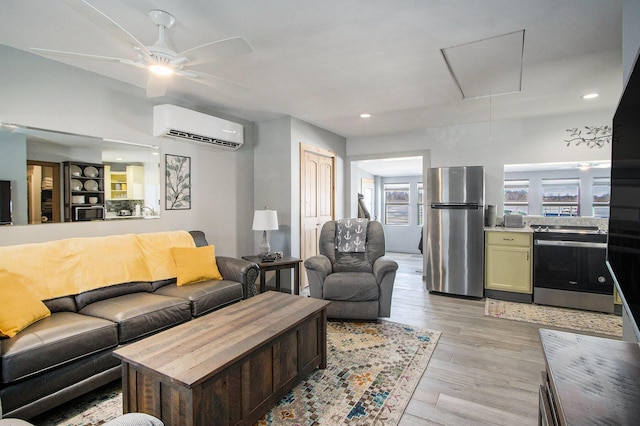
(630, 35)
(43, 93)
(532, 140)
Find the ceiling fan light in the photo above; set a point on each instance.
(161, 70)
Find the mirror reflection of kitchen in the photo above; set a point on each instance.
(31, 164)
(567, 189)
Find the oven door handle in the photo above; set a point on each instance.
(580, 244)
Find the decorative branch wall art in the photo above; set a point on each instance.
(594, 137)
(178, 182)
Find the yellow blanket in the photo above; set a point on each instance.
(67, 267)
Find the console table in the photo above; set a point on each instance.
(589, 380)
(287, 262)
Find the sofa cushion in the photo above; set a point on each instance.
(195, 264)
(140, 314)
(92, 296)
(59, 339)
(350, 286)
(205, 296)
(19, 307)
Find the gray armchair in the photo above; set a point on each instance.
(359, 285)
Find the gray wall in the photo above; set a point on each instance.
(277, 178)
(13, 167)
(42, 93)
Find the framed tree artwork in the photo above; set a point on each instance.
(177, 182)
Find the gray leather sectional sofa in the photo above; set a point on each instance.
(70, 353)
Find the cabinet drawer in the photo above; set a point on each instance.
(509, 238)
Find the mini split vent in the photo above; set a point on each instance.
(204, 139)
(181, 123)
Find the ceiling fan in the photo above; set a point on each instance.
(159, 58)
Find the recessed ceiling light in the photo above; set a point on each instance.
(365, 115)
(590, 96)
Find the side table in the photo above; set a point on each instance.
(287, 262)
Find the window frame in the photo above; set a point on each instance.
(399, 188)
(563, 208)
(521, 206)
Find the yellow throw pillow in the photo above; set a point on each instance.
(195, 264)
(20, 308)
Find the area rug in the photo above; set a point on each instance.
(372, 370)
(572, 319)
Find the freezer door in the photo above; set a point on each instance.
(455, 250)
(455, 185)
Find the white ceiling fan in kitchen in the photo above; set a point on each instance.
(159, 59)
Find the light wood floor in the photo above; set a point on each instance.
(483, 371)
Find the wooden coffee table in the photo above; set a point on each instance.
(228, 367)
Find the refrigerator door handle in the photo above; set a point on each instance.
(456, 206)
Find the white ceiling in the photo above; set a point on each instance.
(327, 61)
(393, 167)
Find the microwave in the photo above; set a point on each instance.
(87, 213)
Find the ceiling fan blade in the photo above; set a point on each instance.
(211, 80)
(75, 55)
(106, 23)
(226, 48)
(156, 86)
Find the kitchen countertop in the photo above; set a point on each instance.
(526, 229)
(601, 223)
(130, 217)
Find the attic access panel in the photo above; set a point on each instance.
(488, 67)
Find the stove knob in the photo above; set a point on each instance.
(546, 229)
(602, 279)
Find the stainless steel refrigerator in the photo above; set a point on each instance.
(455, 230)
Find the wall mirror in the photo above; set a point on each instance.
(52, 177)
(580, 188)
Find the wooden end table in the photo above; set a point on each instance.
(287, 262)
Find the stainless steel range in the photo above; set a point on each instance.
(569, 267)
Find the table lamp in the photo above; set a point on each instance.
(265, 220)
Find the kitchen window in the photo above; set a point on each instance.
(561, 197)
(396, 208)
(601, 195)
(516, 196)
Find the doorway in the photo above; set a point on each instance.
(392, 168)
(43, 192)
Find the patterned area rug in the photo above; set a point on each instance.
(372, 370)
(573, 319)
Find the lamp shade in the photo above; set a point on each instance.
(265, 220)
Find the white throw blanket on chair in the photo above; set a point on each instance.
(351, 235)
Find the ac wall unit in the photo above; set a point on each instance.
(182, 123)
